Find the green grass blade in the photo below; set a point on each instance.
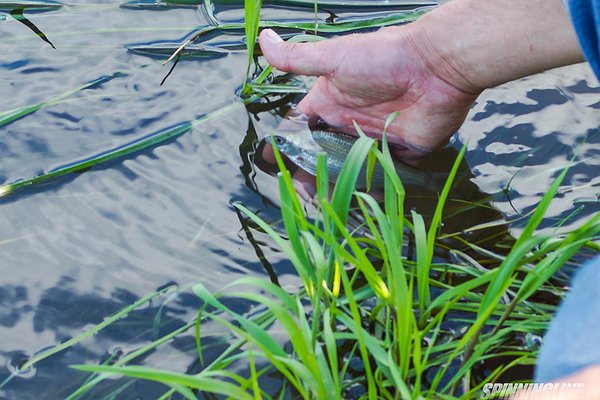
(362, 261)
(524, 244)
(423, 261)
(541, 208)
(89, 332)
(251, 25)
(205, 384)
(129, 357)
(360, 335)
(290, 215)
(259, 334)
(7, 117)
(147, 141)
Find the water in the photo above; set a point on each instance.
(532, 128)
(76, 250)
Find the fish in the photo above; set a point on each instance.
(303, 147)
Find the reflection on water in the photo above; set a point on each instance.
(62, 309)
(533, 128)
(77, 249)
(14, 301)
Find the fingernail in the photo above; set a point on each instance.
(273, 36)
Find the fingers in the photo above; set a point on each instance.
(304, 183)
(305, 105)
(300, 58)
(268, 154)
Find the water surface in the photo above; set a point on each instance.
(75, 250)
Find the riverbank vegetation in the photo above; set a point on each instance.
(375, 317)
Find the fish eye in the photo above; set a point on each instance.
(321, 124)
(278, 140)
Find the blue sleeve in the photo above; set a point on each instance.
(573, 340)
(586, 19)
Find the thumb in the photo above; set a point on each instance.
(301, 58)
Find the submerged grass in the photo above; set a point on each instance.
(9, 116)
(89, 332)
(358, 24)
(150, 140)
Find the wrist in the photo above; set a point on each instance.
(475, 45)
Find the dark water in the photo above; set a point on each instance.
(75, 250)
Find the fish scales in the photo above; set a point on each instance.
(303, 149)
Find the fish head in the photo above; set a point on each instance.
(288, 147)
(299, 147)
(295, 141)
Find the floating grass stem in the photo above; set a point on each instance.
(89, 332)
(7, 117)
(124, 150)
(29, 5)
(358, 24)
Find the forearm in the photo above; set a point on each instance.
(477, 44)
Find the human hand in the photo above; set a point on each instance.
(367, 77)
(430, 70)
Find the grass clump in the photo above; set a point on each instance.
(370, 321)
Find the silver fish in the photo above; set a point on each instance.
(303, 147)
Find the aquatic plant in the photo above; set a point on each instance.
(329, 5)
(372, 314)
(251, 24)
(119, 152)
(10, 116)
(351, 25)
